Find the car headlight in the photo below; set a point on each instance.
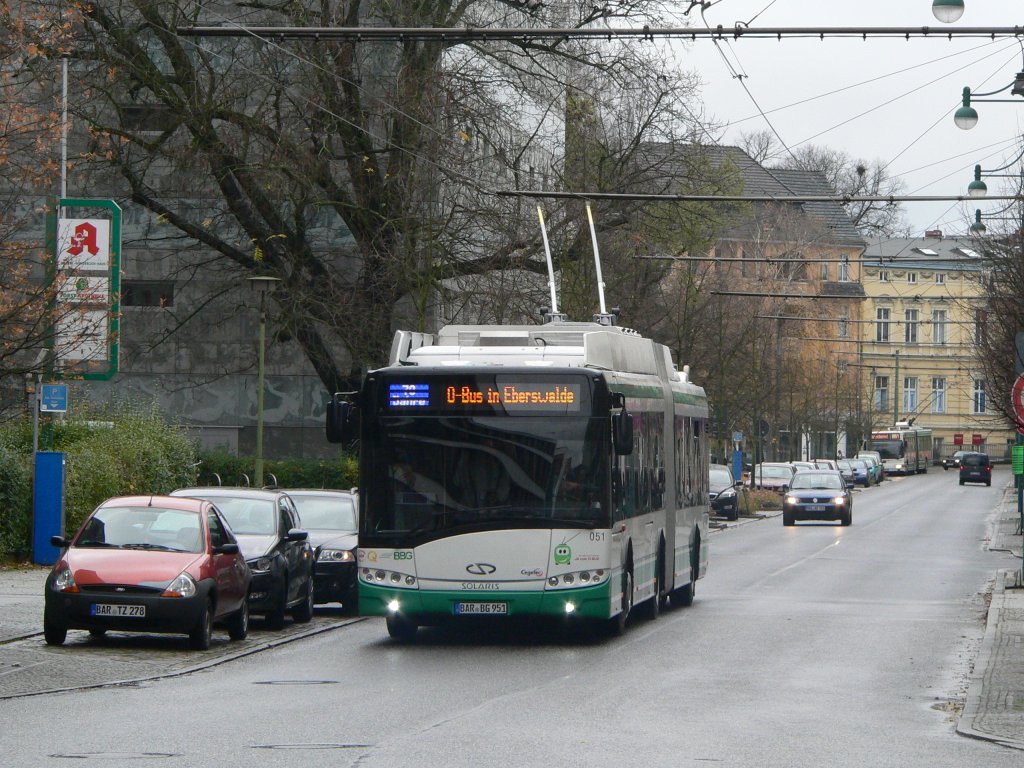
(64, 581)
(792, 500)
(839, 499)
(183, 586)
(336, 556)
(261, 564)
(728, 493)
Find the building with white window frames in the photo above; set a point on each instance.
(922, 312)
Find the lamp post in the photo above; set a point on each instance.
(263, 284)
(840, 370)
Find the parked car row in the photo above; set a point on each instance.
(203, 556)
(817, 489)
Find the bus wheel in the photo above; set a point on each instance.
(401, 628)
(683, 597)
(617, 624)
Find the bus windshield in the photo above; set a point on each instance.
(889, 449)
(431, 476)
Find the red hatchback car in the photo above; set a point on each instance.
(149, 564)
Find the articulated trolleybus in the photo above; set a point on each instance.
(556, 470)
(905, 449)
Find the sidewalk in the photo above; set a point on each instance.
(28, 666)
(994, 709)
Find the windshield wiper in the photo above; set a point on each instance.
(92, 543)
(143, 545)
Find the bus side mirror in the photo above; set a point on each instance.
(622, 433)
(342, 420)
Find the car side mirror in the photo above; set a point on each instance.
(59, 541)
(226, 549)
(297, 535)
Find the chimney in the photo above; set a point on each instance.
(933, 233)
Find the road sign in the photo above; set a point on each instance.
(1017, 398)
(53, 398)
(958, 438)
(737, 437)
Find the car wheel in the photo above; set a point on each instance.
(303, 612)
(275, 619)
(238, 624)
(201, 635)
(846, 519)
(401, 628)
(961, 482)
(787, 518)
(989, 483)
(54, 633)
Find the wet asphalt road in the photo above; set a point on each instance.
(808, 646)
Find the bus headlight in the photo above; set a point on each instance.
(390, 578)
(577, 579)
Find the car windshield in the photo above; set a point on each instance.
(974, 460)
(248, 516)
(807, 480)
(326, 513)
(153, 528)
(783, 472)
(720, 477)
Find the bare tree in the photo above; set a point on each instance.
(848, 177)
(360, 173)
(1002, 318)
(32, 37)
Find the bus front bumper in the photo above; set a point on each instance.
(435, 606)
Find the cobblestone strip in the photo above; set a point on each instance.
(994, 710)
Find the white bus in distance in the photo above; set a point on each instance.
(556, 470)
(905, 449)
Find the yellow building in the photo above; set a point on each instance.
(924, 297)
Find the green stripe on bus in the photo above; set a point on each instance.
(656, 393)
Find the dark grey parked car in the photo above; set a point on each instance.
(277, 550)
(331, 518)
(728, 497)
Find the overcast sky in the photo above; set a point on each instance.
(875, 99)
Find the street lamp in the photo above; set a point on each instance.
(263, 284)
(966, 117)
(948, 11)
(978, 227)
(978, 188)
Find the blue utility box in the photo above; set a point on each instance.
(48, 509)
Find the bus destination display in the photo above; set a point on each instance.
(464, 396)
